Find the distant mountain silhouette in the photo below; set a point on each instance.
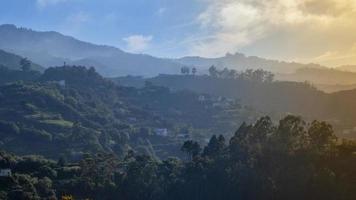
(52, 48)
(320, 76)
(240, 61)
(349, 68)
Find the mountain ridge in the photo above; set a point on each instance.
(50, 48)
(239, 61)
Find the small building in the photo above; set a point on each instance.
(201, 98)
(183, 136)
(161, 132)
(132, 119)
(62, 83)
(221, 104)
(5, 173)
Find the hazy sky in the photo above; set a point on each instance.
(322, 31)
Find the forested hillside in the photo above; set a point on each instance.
(276, 98)
(13, 61)
(289, 160)
(70, 111)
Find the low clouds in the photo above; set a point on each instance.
(137, 43)
(235, 24)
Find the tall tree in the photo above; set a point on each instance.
(25, 64)
(185, 70)
(192, 148)
(194, 70)
(213, 72)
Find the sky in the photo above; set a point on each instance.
(319, 31)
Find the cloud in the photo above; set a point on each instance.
(161, 11)
(236, 24)
(44, 3)
(137, 43)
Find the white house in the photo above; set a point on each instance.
(201, 98)
(62, 83)
(5, 172)
(183, 136)
(161, 132)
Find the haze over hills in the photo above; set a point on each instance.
(177, 100)
(326, 79)
(350, 68)
(52, 48)
(12, 61)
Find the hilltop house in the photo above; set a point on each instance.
(61, 83)
(161, 132)
(5, 173)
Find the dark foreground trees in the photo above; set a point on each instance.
(291, 160)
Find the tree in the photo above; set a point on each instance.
(258, 75)
(225, 73)
(321, 136)
(192, 148)
(61, 161)
(92, 71)
(213, 72)
(215, 146)
(269, 77)
(185, 70)
(25, 65)
(194, 70)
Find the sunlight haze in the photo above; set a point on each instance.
(319, 31)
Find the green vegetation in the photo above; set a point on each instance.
(256, 88)
(94, 139)
(69, 111)
(290, 160)
(15, 62)
(7, 75)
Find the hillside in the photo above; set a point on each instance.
(320, 76)
(349, 68)
(70, 111)
(12, 61)
(275, 98)
(52, 49)
(278, 97)
(296, 157)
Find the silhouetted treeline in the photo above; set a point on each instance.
(291, 160)
(258, 75)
